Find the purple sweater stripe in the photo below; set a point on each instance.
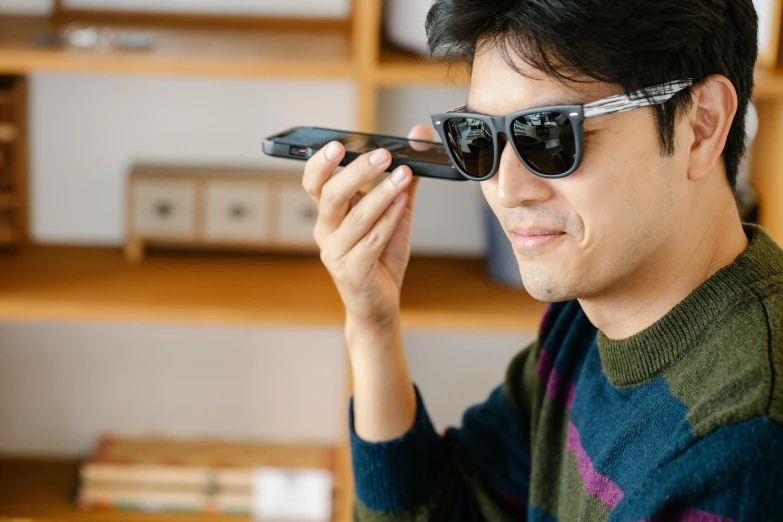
(597, 485)
(545, 363)
(560, 388)
(693, 515)
(556, 386)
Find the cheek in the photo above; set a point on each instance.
(619, 184)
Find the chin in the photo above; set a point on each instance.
(545, 287)
(545, 295)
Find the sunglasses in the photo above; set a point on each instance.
(549, 141)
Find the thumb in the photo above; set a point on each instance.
(421, 132)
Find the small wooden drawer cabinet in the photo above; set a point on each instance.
(238, 210)
(226, 208)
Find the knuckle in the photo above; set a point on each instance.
(331, 262)
(307, 184)
(309, 189)
(317, 235)
(356, 216)
(328, 197)
(373, 238)
(338, 271)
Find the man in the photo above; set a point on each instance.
(607, 136)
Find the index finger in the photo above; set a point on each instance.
(319, 168)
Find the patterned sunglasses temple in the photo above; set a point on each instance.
(625, 102)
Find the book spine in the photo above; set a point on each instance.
(198, 477)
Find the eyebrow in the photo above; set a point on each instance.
(564, 101)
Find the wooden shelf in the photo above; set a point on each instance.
(43, 490)
(8, 132)
(8, 235)
(769, 85)
(95, 284)
(185, 50)
(7, 200)
(243, 51)
(402, 68)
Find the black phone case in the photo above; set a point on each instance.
(419, 168)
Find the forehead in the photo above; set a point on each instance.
(498, 88)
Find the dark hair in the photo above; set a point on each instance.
(630, 43)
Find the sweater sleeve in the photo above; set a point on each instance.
(478, 471)
(732, 474)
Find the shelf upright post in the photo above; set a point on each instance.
(366, 43)
(767, 166)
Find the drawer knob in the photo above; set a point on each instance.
(238, 212)
(164, 209)
(309, 214)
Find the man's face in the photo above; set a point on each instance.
(607, 224)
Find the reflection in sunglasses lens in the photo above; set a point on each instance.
(546, 141)
(470, 141)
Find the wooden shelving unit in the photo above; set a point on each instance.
(184, 50)
(42, 490)
(7, 200)
(13, 178)
(95, 284)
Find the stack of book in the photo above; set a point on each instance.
(267, 481)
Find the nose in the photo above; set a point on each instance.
(515, 185)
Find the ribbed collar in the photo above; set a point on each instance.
(642, 357)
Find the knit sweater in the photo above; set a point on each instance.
(683, 421)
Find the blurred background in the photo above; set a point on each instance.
(161, 300)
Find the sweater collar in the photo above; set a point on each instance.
(642, 357)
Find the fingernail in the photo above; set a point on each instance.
(379, 157)
(332, 151)
(399, 175)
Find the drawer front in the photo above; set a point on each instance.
(237, 211)
(164, 209)
(297, 216)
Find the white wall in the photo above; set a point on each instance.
(37, 7)
(309, 8)
(456, 370)
(62, 386)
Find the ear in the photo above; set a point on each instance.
(712, 113)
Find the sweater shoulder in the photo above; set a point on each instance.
(773, 306)
(735, 373)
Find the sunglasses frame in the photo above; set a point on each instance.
(577, 114)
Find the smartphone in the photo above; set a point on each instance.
(425, 158)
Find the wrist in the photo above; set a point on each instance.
(361, 334)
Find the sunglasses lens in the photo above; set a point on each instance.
(470, 142)
(546, 141)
